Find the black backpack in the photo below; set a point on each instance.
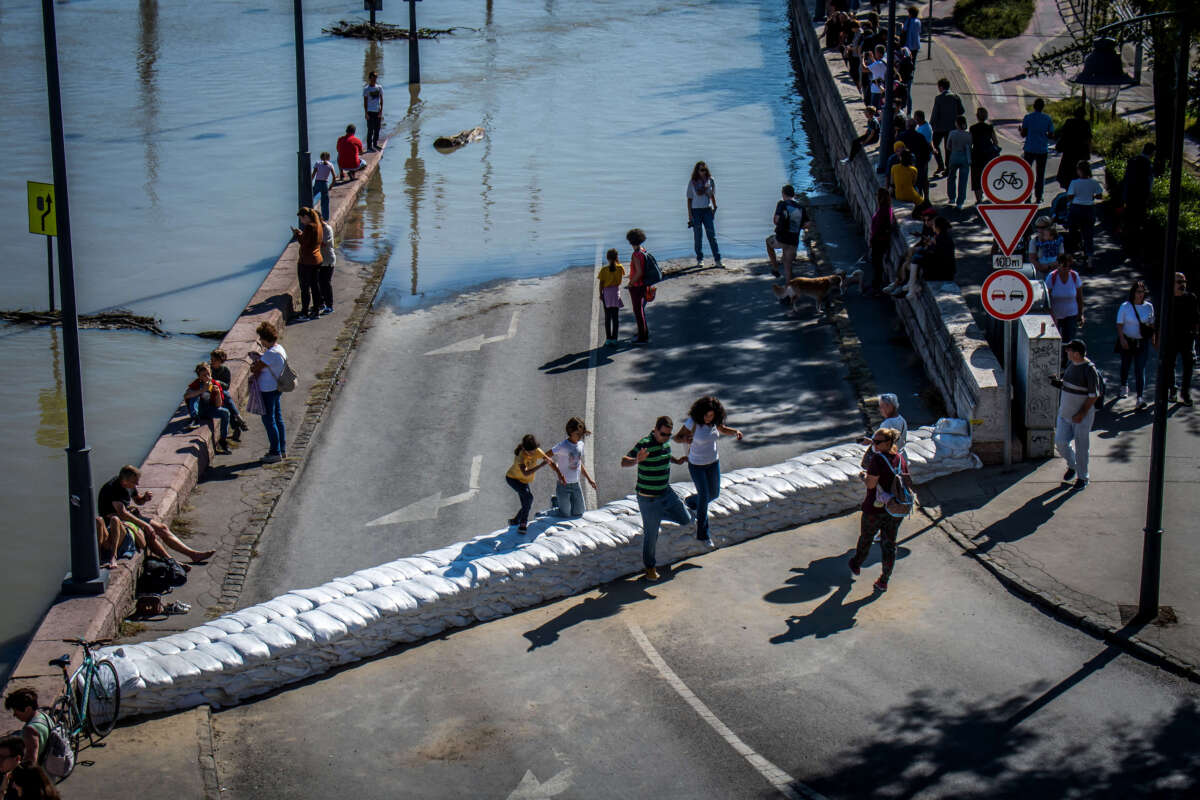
(160, 577)
(651, 273)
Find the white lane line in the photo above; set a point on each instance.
(783, 783)
(589, 403)
(476, 468)
(997, 88)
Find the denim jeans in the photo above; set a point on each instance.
(198, 410)
(654, 510)
(1067, 327)
(321, 187)
(703, 217)
(707, 478)
(956, 184)
(570, 499)
(525, 493)
(1139, 350)
(272, 418)
(1071, 439)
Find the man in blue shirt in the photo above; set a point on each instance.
(1038, 130)
(912, 32)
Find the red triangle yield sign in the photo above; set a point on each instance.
(1007, 223)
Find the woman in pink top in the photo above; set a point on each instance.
(637, 285)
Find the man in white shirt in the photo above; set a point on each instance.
(373, 107)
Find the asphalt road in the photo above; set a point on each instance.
(945, 686)
(413, 428)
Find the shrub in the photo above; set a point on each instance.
(993, 19)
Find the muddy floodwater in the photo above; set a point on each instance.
(181, 148)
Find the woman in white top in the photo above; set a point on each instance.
(266, 369)
(1083, 192)
(701, 210)
(1064, 287)
(322, 177)
(1135, 329)
(704, 425)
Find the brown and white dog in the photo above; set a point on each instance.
(819, 289)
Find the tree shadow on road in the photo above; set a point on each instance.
(937, 743)
(612, 598)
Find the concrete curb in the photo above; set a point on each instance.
(1090, 622)
(307, 632)
(173, 466)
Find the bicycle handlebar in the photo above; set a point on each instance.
(84, 643)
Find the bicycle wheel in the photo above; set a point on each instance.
(103, 699)
(63, 713)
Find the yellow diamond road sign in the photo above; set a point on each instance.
(43, 218)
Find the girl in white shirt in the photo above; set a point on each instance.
(1135, 327)
(704, 425)
(1083, 192)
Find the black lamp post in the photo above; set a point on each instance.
(85, 577)
(1103, 68)
(303, 157)
(887, 133)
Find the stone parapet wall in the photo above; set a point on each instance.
(307, 632)
(939, 325)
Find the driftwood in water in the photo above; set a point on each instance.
(458, 139)
(358, 29)
(106, 320)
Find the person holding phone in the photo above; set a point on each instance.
(702, 209)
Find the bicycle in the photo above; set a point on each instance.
(1008, 179)
(91, 697)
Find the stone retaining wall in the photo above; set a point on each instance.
(173, 466)
(940, 326)
(307, 632)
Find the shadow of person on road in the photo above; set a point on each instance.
(583, 359)
(613, 596)
(832, 616)
(821, 576)
(1036, 512)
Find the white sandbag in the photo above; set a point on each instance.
(950, 445)
(424, 565)
(377, 577)
(225, 623)
(127, 672)
(299, 631)
(324, 628)
(250, 648)
(248, 617)
(405, 567)
(368, 611)
(184, 640)
(598, 516)
(347, 586)
(276, 637)
(290, 604)
(178, 668)
(154, 675)
(559, 544)
(420, 592)
(543, 554)
(953, 427)
(318, 595)
(347, 615)
(494, 565)
(161, 647)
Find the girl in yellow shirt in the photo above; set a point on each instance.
(528, 458)
(610, 295)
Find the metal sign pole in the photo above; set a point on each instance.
(414, 54)
(1008, 421)
(50, 268)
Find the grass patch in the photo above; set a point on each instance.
(993, 19)
(128, 629)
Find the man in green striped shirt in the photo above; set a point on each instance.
(656, 500)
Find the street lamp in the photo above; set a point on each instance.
(303, 158)
(1103, 72)
(1103, 68)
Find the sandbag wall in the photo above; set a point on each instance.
(307, 632)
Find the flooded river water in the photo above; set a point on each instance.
(180, 124)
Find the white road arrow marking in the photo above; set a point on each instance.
(530, 788)
(428, 507)
(473, 344)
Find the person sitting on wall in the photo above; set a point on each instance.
(119, 498)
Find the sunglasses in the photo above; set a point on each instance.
(663, 434)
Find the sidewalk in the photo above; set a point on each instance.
(1078, 553)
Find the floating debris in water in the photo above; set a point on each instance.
(106, 320)
(360, 29)
(446, 143)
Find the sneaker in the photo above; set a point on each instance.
(1068, 476)
(652, 574)
(1186, 400)
(1124, 392)
(707, 542)
(844, 160)
(326, 309)
(1171, 396)
(854, 568)
(880, 585)
(878, 538)
(512, 521)
(699, 263)
(1081, 483)
(221, 448)
(523, 529)
(191, 426)
(272, 458)
(720, 265)
(1141, 404)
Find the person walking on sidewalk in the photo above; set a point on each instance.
(309, 261)
(791, 220)
(958, 159)
(704, 425)
(568, 456)
(1139, 182)
(1038, 129)
(1135, 330)
(702, 210)
(1180, 341)
(373, 108)
(322, 177)
(610, 295)
(887, 465)
(1064, 287)
(984, 147)
(912, 32)
(637, 283)
(921, 150)
(1074, 142)
(528, 458)
(1080, 389)
(947, 107)
(655, 498)
(1083, 192)
(883, 224)
(266, 368)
